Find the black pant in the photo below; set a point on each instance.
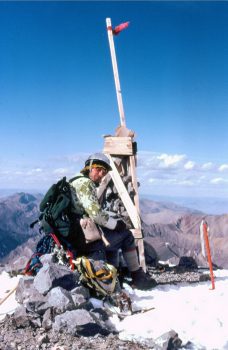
(118, 240)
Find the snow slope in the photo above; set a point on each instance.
(6, 285)
(195, 312)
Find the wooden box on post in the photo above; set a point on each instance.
(118, 145)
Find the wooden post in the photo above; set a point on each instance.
(122, 145)
(8, 294)
(204, 233)
(115, 72)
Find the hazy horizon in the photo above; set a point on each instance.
(208, 205)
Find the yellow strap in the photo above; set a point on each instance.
(89, 269)
(106, 277)
(84, 264)
(90, 273)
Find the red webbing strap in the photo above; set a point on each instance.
(71, 256)
(55, 239)
(69, 253)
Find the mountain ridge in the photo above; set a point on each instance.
(208, 205)
(167, 227)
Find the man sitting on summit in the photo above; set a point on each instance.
(119, 237)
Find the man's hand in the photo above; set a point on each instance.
(120, 226)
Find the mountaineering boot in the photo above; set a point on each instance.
(141, 280)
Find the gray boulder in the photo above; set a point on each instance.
(80, 296)
(36, 302)
(21, 318)
(79, 323)
(29, 296)
(82, 291)
(70, 321)
(168, 341)
(47, 319)
(60, 300)
(24, 288)
(52, 275)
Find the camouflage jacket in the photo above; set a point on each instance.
(85, 201)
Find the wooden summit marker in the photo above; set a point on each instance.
(123, 146)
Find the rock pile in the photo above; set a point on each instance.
(29, 337)
(55, 299)
(56, 313)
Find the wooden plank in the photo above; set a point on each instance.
(124, 195)
(137, 233)
(134, 182)
(132, 211)
(142, 260)
(117, 145)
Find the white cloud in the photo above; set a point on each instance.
(218, 180)
(201, 178)
(152, 180)
(170, 173)
(73, 158)
(207, 166)
(4, 172)
(161, 173)
(223, 167)
(38, 170)
(60, 171)
(172, 181)
(186, 183)
(190, 165)
(34, 171)
(170, 160)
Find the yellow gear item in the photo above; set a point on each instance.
(97, 274)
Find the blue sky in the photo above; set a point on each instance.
(57, 94)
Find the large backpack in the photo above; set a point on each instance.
(55, 208)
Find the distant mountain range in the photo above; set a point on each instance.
(173, 230)
(208, 205)
(17, 212)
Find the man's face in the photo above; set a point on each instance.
(97, 174)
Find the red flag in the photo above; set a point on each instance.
(120, 27)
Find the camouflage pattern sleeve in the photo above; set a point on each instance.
(87, 196)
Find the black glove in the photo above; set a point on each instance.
(120, 226)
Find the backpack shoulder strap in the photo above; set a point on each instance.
(75, 178)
